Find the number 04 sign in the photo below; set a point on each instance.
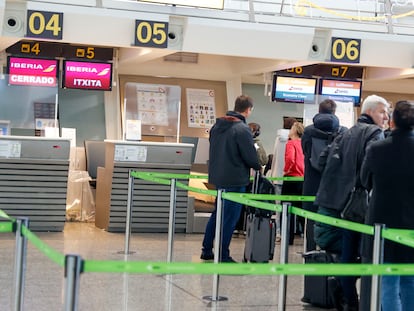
(42, 24)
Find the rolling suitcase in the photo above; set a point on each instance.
(260, 227)
(260, 238)
(320, 291)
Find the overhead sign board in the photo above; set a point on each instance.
(33, 72)
(53, 49)
(345, 50)
(43, 24)
(87, 75)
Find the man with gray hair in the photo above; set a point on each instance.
(339, 177)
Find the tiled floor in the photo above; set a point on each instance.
(44, 284)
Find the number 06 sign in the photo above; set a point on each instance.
(345, 50)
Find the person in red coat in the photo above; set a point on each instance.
(294, 167)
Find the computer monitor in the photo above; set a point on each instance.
(95, 156)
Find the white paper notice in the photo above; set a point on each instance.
(125, 153)
(71, 134)
(52, 132)
(133, 130)
(152, 106)
(201, 110)
(10, 149)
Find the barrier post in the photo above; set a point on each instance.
(284, 253)
(129, 212)
(377, 258)
(20, 263)
(73, 267)
(171, 220)
(217, 247)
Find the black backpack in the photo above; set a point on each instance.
(321, 144)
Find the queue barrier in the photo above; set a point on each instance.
(75, 265)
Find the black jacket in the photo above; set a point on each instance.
(232, 153)
(340, 173)
(324, 124)
(388, 170)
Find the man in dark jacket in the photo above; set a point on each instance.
(231, 156)
(388, 170)
(324, 128)
(339, 177)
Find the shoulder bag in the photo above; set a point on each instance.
(357, 205)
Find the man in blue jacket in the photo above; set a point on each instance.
(231, 156)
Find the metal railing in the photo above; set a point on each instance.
(382, 16)
(75, 265)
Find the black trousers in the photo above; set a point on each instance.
(294, 188)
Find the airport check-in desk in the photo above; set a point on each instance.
(151, 201)
(33, 180)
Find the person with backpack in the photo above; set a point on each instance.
(315, 138)
(339, 177)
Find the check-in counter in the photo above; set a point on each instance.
(151, 201)
(33, 180)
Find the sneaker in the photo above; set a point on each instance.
(207, 256)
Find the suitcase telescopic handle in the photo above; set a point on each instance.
(256, 178)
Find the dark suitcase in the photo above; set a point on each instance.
(320, 291)
(260, 226)
(260, 238)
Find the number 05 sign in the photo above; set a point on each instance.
(151, 34)
(345, 50)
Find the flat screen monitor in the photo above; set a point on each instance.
(32, 71)
(341, 90)
(87, 75)
(293, 89)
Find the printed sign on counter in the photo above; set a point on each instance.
(10, 149)
(130, 153)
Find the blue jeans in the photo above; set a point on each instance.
(397, 293)
(231, 213)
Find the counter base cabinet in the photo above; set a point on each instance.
(35, 189)
(150, 210)
(151, 201)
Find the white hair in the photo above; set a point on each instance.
(372, 101)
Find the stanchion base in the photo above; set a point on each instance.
(123, 252)
(219, 298)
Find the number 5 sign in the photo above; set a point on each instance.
(345, 50)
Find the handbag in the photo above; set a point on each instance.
(357, 205)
